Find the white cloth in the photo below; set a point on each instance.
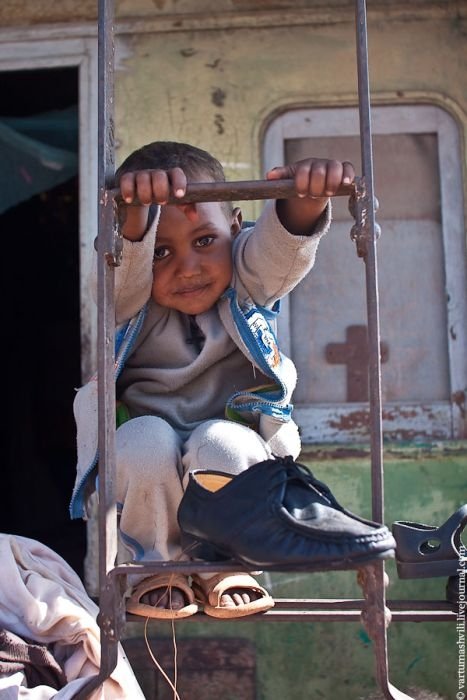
(43, 599)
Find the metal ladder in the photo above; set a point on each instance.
(371, 610)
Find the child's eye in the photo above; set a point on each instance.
(161, 253)
(204, 241)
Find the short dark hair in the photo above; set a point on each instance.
(165, 155)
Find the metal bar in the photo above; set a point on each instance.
(196, 566)
(375, 613)
(107, 258)
(278, 615)
(240, 190)
(371, 269)
(105, 277)
(396, 606)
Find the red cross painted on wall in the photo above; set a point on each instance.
(354, 354)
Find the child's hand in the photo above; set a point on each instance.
(147, 186)
(152, 185)
(316, 179)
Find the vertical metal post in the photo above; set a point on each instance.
(375, 615)
(108, 257)
(105, 287)
(371, 268)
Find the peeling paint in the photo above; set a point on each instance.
(218, 96)
(214, 64)
(346, 424)
(458, 398)
(364, 638)
(219, 123)
(350, 421)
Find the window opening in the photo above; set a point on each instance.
(41, 281)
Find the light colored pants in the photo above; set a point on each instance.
(153, 465)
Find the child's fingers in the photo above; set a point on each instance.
(279, 173)
(163, 183)
(303, 178)
(177, 180)
(127, 187)
(143, 182)
(159, 187)
(318, 178)
(152, 185)
(334, 172)
(348, 174)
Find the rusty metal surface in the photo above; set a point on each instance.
(111, 602)
(375, 615)
(241, 190)
(278, 615)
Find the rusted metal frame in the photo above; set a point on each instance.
(375, 615)
(294, 610)
(109, 252)
(323, 615)
(111, 579)
(109, 255)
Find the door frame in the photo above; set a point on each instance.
(37, 48)
(440, 419)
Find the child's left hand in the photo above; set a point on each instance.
(316, 179)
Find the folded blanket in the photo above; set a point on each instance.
(42, 599)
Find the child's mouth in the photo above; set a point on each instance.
(192, 290)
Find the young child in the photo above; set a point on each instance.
(198, 368)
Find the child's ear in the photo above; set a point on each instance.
(236, 222)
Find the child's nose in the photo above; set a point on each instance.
(188, 264)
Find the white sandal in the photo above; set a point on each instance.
(209, 592)
(165, 582)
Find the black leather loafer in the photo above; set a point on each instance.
(276, 515)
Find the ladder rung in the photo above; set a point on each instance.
(237, 191)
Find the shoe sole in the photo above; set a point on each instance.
(212, 552)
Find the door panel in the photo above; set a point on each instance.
(324, 325)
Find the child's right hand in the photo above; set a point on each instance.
(147, 187)
(152, 186)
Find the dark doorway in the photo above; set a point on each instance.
(41, 338)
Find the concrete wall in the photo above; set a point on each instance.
(219, 87)
(214, 72)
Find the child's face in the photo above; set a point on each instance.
(193, 256)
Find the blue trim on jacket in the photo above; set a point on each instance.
(125, 337)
